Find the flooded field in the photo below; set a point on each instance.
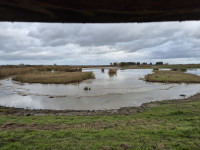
(107, 92)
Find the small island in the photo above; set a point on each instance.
(172, 77)
(54, 78)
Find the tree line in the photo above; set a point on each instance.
(123, 64)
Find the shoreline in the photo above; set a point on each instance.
(121, 111)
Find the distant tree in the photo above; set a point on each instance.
(144, 63)
(130, 63)
(115, 64)
(150, 63)
(138, 63)
(159, 63)
(123, 64)
(111, 64)
(21, 64)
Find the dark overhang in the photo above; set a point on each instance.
(99, 11)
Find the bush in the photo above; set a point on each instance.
(183, 69)
(112, 71)
(155, 68)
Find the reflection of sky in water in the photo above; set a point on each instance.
(124, 89)
(194, 71)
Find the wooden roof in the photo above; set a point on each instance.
(99, 11)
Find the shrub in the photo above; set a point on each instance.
(112, 71)
(183, 69)
(155, 68)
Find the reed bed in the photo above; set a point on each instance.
(6, 72)
(155, 68)
(9, 70)
(58, 68)
(56, 78)
(112, 71)
(172, 77)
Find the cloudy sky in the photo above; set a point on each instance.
(88, 44)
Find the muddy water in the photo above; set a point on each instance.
(107, 92)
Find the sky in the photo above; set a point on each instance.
(99, 44)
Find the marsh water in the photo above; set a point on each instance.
(124, 89)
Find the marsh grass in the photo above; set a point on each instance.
(183, 69)
(165, 127)
(6, 72)
(186, 66)
(9, 70)
(172, 77)
(56, 78)
(155, 68)
(112, 71)
(58, 68)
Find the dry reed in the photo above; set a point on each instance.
(57, 78)
(172, 77)
(112, 71)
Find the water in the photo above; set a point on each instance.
(121, 90)
(194, 71)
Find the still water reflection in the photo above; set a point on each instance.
(107, 92)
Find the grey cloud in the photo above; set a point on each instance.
(80, 43)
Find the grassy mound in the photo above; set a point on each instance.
(172, 77)
(56, 78)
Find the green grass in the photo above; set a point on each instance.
(168, 126)
(56, 78)
(172, 77)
